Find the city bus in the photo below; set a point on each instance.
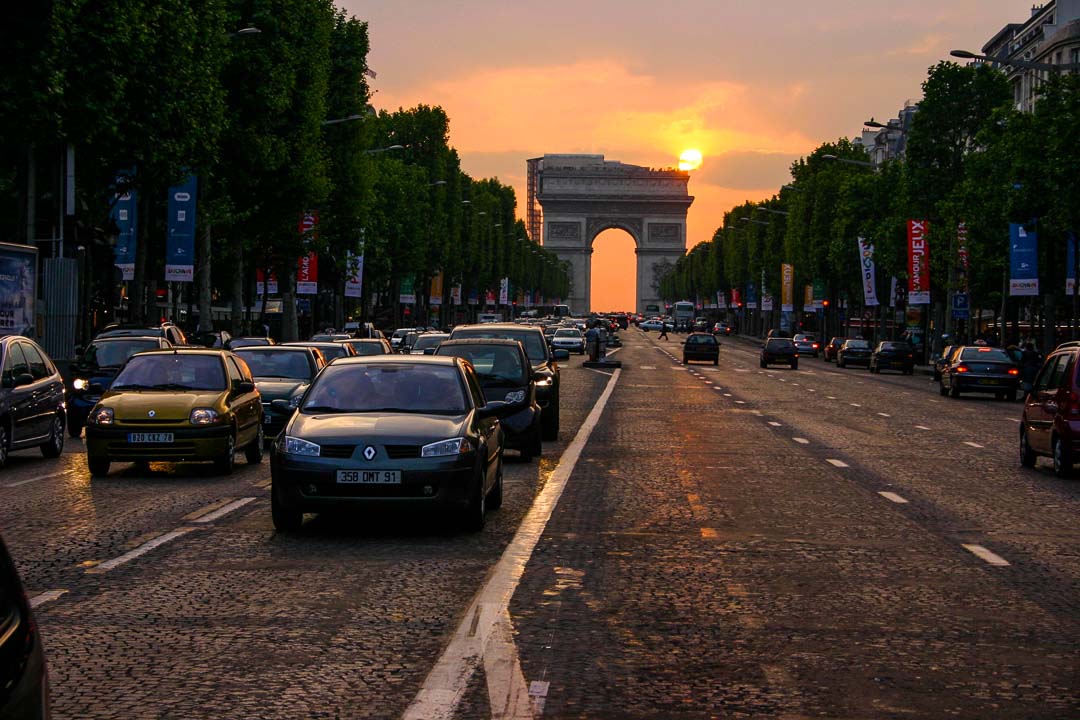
(683, 313)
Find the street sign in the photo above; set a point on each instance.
(961, 309)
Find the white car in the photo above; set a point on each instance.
(653, 324)
(398, 336)
(569, 339)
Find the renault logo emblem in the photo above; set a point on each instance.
(369, 453)
(151, 413)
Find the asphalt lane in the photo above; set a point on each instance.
(738, 542)
(169, 595)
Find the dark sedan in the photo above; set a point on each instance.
(831, 348)
(892, 356)
(807, 345)
(779, 351)
(390, 431)
(243, 342)
(330, 350)
(369, 346)
(854, 352)
(701, 346)
(941, 362)
(95, 368)
(33, 412)
(24, 682)
(505, 374)
(281, 372)
(980, 369)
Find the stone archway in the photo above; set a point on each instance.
(583, 195)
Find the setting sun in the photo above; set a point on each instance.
(690, 160)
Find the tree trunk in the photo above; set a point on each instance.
(1049, 323)
(137, 300)
(238, 289)
(290, 329)
(206, 313)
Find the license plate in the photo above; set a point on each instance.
(150, 437)
(267, 419)
(988, 381)
(369, 477)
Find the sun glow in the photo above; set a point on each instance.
(690, 160)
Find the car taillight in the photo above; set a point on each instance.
(1014, 371)
(961, 368)
(816, 346)
(909, 355)
(1071, 405)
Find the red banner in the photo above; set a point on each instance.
(736, 297)
(918, 262)
(307, 267)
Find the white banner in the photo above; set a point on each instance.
(766, 303)
(721, 300)
(504, 291)
(354, 282)
(866, 269)
(455, 294)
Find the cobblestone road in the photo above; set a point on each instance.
(732, 542)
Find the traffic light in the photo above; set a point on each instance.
(825, 303)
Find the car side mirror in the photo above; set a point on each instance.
(79, 351)
(496, 409)
(281, 406)
(429, 351)
(561, 355)
(245, 387)
(23, 379)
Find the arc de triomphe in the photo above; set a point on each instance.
(583, 195)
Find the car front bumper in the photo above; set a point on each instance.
(189, 444)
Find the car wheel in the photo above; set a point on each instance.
(763, 364)
(840, 363)
(942, 390)
(495, 495)
(285, 519)
(54, 447)
(795, 365)
(253, 453)
(954, 391)
(227, 461)
(4, 441)
(550, 420)
(1011, 395)
(473, 515)
(1063, 461)
(1027, 455)
(716, 361)
(98, 466)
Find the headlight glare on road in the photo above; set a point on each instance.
(296, 446)
(515, 397)
(203, 416)
(80, 384)
(101, 416)
(443, 448)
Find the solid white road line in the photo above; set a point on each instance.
(971, 444)
(45, 597)
(836, 463)
(39, 477)
(445, 684)
(648, 367)
(893, 497)
(801, 441)
(982, 553)
(141, 550)
(225, 510)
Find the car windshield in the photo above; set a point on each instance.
(493, 363)
(984, 354)
(857, 344)
(368, 348)
(428, 341)
(291, 364)
(172, 371)
(387, 387)
(535, 347)
(114, 353)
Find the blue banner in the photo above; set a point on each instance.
(1023, 261)
(180, 247)
(751, 296)
(125, 213)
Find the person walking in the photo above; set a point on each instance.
(1030, 364)
(663, 331)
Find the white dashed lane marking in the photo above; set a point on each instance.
(921, 427)
(224, 510)
(141, 550)
(893, 497)
(774, 424)
(971, 444)
(884, 414)
(836, 463)
(982, 553)
(801, 441)
(49, 596)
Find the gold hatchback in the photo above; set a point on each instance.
(177, 405)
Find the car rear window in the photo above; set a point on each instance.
(368, 348)
(388, 387)
(701, 340)
(491, 362)
(858, 344)
(172, 371)
(535, 346)
(114, 353)
(428, 341)
(985, 354)
(780, 344)
(291, 364)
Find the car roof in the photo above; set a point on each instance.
(481, 341)
(115, 338)
(312, 344)
(272, 348)
(188, 350)
(497, 326)
(397, 360)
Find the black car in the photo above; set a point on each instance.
(95, 368)
(24, 682)
(779, 351)
(892, 356)
(832, 348)
(211, 339)
(390, 431)
(505, 374)
(701, 346)
(544, 364)
(166, 330)
(975, 368)
(32, 408)
(242, 342)
(281, 372)
(853, 352)
(369, 346)
(330, 350)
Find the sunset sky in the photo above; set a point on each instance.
(752, 85)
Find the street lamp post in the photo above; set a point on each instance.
(1026, 64)
(849, 161)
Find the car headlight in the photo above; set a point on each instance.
(296, 446)
(544, 382)
(443, 448)
(101, 416)
(515, 397)
(80, 384)
(203, 416)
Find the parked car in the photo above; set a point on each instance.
(505, 374)
(32, 408)
(545, 364)
(1049, 424)
(95, 367)
(330, 350)
(243, 342)
(569, 339)
(281, 372)
(853, 352)
(391, 431)
(980, 369)
(24, 681)
(177, 405)
(369, 346)
(701, 346)
(779, 351)
(889, 355)
(807, 345)
(832, 348)
(167, 330)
